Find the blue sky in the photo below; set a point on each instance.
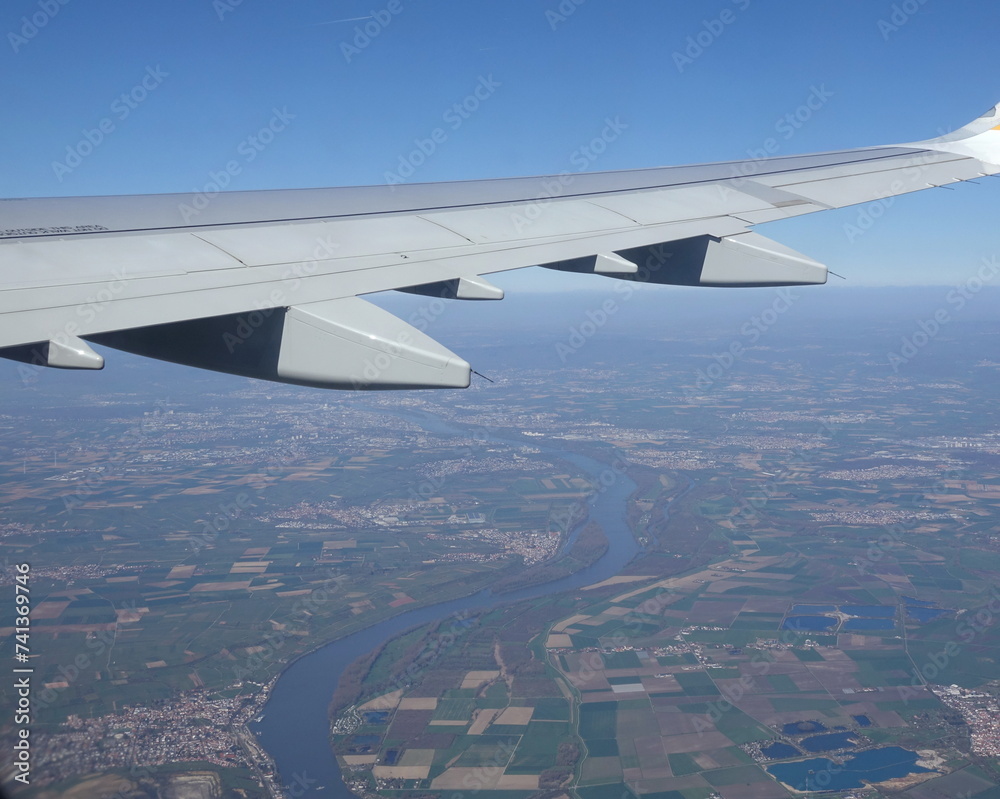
(301, 94)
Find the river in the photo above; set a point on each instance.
(295, 727)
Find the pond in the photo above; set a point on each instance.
(779, 751)
(803, 727)
(822, 774)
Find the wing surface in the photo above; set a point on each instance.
(268, 283)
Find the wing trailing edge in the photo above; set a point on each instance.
(267, 284)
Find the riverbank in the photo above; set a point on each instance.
(301, 696)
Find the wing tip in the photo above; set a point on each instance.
(990, 120)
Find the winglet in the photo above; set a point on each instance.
(987, 122)
(980, 139)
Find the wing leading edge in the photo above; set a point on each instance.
(268, 284)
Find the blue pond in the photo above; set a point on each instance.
(863, 721)
(808, 623)
(822, 774)
(926, 614)
(872, 611)
(828, 742)
(799, 609)
(869, 624)
(376, 716)
(803, 727)
(909, 600)
(779, 751)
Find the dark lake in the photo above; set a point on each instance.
(822, 774)
(779, 751)
(803, 727)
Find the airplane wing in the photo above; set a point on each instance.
(269, 284)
